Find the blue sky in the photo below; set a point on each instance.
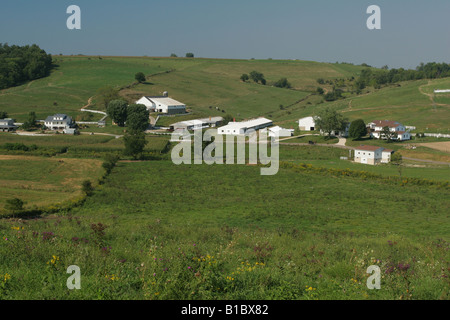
(320, 30)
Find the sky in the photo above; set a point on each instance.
(318, 30)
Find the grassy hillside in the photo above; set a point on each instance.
(42, 182)
(199, 83)
(207, 84)
(231, 233)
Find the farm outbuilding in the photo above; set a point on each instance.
(196, 124)
(372, 155)
(240, 128)
(307, 124)
(162, 104)
(279, 132)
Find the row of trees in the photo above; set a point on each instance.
(377, 78)
(188, 55)
(135, 117)
(258, 77)
(255, 76)
(20, 64)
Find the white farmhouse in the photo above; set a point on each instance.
(240, 128)
(372, 155)
(376, 128)
(7, 125)
(162, 104)
(307, 124)
(59, 122)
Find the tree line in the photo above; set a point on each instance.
(19, 64)
(377, 78)
(258, 77)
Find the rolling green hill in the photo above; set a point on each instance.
(212, 87)
(200, 83)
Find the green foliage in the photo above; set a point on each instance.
(396, 158)
(189, 55)
(21, 64)
(388, 134)
(283, 83)
(87, 187)
(3, 114)
(110, 162)
(257, 77)
(357, 129)
(378, 78)
(117, 111)
(320, 91)
(140, 77)
(14, 205)
(137, 118)
(244, 77)
(329, 120)
(228, 118)
(31, 121)
(107, 94)
(134, 144)
(333, 95)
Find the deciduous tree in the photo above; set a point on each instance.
(117, 111)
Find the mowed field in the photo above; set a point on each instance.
(44, 181)
(440, 146)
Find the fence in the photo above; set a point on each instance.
(437, 135)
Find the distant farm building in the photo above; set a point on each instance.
(307, 124)
(376, 129)
(59, 122)
(241, 128)
(7, 125)
(372, 155)
(442, 91)
(162, 104)
(196, 124)
(278, 131)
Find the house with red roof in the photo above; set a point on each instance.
(376, 129)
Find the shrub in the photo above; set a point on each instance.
(14, 204)
(87, 187)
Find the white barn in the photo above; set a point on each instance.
(240, 128)
(162, 104)
(279, 131)
(196, 124)
(307, 124)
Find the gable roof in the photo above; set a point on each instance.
(368, 148)
(164, 100)
(386, 123)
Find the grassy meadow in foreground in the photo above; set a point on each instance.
(226, 232)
